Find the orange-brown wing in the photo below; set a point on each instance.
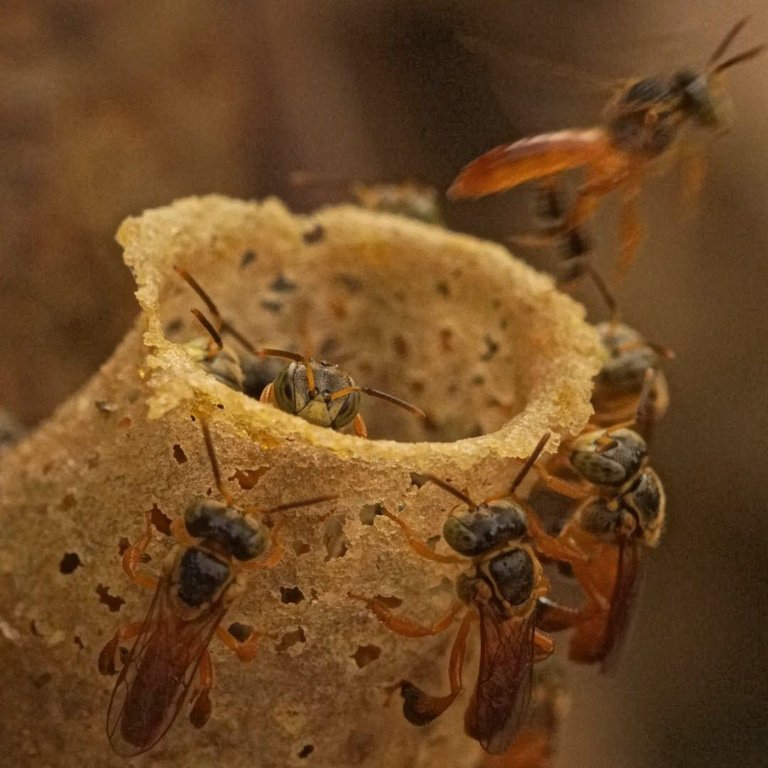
(529, 159)
(624, 596)
(502, 696)
(154, 682)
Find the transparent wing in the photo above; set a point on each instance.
(502, 697)
(155, 679)
(625, 592)
(529, 159)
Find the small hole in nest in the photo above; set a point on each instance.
(113, 602)
(68, 502)
(400, 346)
(78, 642)
(241, 632)
(247, 258)
(365, 654)
(314, 235)
(42, 679)
(491, 348)
(282, 284)
(306, 751)
(178, 454)
(291, 595)
(271, 306)
(352, 284)
(289, 639)
(160, 521)
(123, 544)
(69, 562)
(336, 543)
(389, 600)
(369, 512)
(301, 547)
(248, 478)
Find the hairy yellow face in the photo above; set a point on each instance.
(313, 400)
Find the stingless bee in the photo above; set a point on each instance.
(199, 581)
(322, 393)
(619, 384)
(621, 512)
(319, 392)
(241, 370)
(640, 124)
(501, 590)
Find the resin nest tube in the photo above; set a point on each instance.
(491, 352)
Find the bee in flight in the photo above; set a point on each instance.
(501, 591)
(198, 583)
(641, 123)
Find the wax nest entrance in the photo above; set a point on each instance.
(491, 352)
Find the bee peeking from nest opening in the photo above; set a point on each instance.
(372, 338)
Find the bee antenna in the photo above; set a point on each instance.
(197, 288)
(645, 415)
(727, 40)
(296, 357)
(529, 462)
(745, 56)
(302, 503)
(206, 323)
(382, 396)
(427, 478)
(227, 327)
(214, 461)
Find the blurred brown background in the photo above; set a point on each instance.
(108, 108)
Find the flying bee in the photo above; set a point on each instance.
(641, 124)
(501, 591)
(322, 393)
(619, 384)
(199, 581)
(621, 512)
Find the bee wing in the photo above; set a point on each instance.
(529, 159)
(628, 580)
(502, 696)
(155, 679)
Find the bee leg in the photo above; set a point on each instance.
(359, 424)
(556, 548)
(419, 707)
(201, 707)
(402, 626)
(630, 227)
(132, 558)
(268, 394)
(179, 532)
(418, 546)
(563, 487)
(553, 617)
(245, 650)
(109, 651)
(543, 646)
(600, 181)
